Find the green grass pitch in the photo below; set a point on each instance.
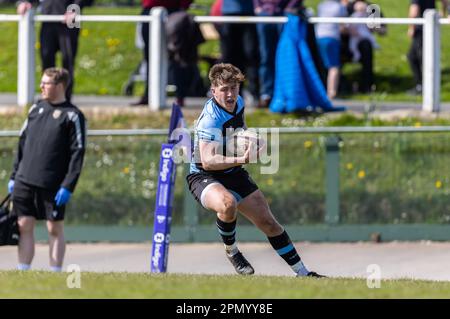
(39, 284)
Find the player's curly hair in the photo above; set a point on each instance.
(225, 73)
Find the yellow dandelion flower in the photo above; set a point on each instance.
(126, 170)
(112, 42)
(349, 166)
(85, 33)
(438, 184)
(361, 174)
(417, 124)
(308, 144)
(270, 182)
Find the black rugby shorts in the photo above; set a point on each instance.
(238, 183)
(36, 202)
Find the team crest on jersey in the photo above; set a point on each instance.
(56, 114)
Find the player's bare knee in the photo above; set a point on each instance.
(227, 218)
(229, 207)
(26, 225)
(54, 230)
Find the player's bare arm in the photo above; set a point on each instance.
(213, 160)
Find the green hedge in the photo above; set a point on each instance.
(385, 178)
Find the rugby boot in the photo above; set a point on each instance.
(315, 275)
(241, 265)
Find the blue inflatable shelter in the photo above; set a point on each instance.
(298, 86)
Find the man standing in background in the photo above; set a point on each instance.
(329, 42)
(415, 32)
(57, 36)
(268, 36)
(147, 5)
(47, 167)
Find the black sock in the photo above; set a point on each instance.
(227, 231)
(284, 247)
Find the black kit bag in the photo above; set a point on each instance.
(9, 228)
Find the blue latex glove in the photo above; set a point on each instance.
(10, 186)
(62, 196)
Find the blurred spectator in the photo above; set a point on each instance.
(268, 35)
(362, 44)
(57, 36)
(216, 11)
(329, 42)
(147, 5)
(183, 38)
(416, 10)
(216, 8)
(360, 32)
(305, 13)
(239, 44)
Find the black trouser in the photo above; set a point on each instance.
(311, 40)
(56, 37)
(415, 57)
(366, 60)
(176, 73)
(145, 32)
(239, 46)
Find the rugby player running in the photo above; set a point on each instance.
(221, 184)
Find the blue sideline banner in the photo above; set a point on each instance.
(163, 210)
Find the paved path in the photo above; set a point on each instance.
(419, 260)
(383, 108)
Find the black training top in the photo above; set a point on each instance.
(423, 5)
(51, 146)
(59, 7)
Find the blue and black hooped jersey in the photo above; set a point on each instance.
(212, 126)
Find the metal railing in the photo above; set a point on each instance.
(281, 130)
(158, 53)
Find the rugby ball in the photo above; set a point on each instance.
(239, 142)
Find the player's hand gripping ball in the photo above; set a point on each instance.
(240, 142)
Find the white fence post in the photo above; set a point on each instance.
(26, 64)
(431, 62)
(158, 60)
